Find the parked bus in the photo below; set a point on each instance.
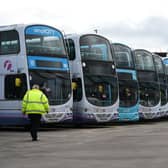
(160, 67)
(95, 85)
(165, 61)
(128, 84)
(33, 54)
(148, 84)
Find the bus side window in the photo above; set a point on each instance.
(70, 46)
(15, 86)
(77, 89)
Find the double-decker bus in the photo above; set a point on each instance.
(148, 84)
(33, 54)
(165, 61)
(128, 84)
(95, 84)
(160, 67)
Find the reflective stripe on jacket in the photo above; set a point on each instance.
(35, 102)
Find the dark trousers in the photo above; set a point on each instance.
(34, 125)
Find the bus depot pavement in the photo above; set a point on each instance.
(141, 145)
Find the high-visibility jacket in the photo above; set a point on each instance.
(35, 102)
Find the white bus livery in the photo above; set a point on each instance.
(95, 90)
(33, 54)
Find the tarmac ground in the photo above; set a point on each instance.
(138, 145)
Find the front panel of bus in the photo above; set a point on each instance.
(99, 77)
(148, 84)
(48, 67)
(162, 82)
(165, 61)
(128, 84)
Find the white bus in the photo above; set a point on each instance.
(165, 61)
(33, 54)
(161, 71)
(148, 84)
(95, 84)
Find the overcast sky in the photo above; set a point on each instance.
(137, 23)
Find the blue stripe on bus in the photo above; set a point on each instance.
(43, 31)
(32, 63)
(165, 61)
(133, 72)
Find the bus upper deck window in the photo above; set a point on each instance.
(9, 42)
